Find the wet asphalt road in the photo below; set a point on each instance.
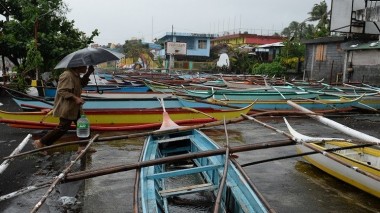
(290, 185)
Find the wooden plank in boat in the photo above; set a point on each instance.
(184, 171)
(187, 189)
(173, 139)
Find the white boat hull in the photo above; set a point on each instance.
(342, 172)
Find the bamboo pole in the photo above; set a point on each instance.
(137, 182)
(218, 103)
(197, 111)
(252, 185)
(121, 168)
(225, 170)
(26, 95)
(306, 153)
(128, 136)
(62, 175)
(25, 190)
(331, 156)
(6, 162)
(336, 125)
(319, 102)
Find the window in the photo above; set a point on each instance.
(320, 53)
(202, 44)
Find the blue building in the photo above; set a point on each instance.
(198, 47)
(198, 44)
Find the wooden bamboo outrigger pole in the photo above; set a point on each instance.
(351, 132)
(62, 175)
(224, 177)
(307, 153)
(128, 136)
(6, 162)
(26, 95)
(25, 190)
(121, 168)
(324, 152)
(137, 183)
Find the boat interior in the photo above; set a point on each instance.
(365, 155)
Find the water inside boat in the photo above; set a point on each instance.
(367, 155)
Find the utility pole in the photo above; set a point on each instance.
(171, 56)
(36, 34)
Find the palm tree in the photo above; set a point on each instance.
(319, 13)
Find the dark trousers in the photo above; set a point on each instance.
(53, 135)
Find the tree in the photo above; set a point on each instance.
(319, 13)
(44, 23)
(134, 49)
(298, 31)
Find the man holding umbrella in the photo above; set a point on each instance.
(67, 103)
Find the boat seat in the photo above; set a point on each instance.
(187, 189)
(181, 172)
(174, 139)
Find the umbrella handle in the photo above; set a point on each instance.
(97, 87)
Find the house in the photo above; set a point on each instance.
(340, 59)
(245, 39)
(268, 52)
(324, 58)
(265, 48)
(196, 46)
(363, 62)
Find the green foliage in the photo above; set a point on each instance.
(292, 49)
(241, 62)
(134, 48)
(44, 23)
(33, 56)
(274, 68)
(160, 62)
(20, 82)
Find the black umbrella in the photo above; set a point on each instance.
(88, 56)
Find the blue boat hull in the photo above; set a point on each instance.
(237, 196)
(50, 91)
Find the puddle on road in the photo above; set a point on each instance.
(219, 136)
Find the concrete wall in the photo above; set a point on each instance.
(328, 69)
(366, 66)
(366, 74)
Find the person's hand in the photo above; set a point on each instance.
(79, 100)
(90, 69)
(45, 110)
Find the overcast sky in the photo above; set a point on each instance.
(120, 20)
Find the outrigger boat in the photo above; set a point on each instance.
(339, 104)
(122, 119)
(163, 184)
(359, 167)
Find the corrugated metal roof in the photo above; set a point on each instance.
(364, 46)
(277, 44)
(325, 40)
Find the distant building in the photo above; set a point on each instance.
(268, 52)
(198, 47)
(265, 48)
(252, 40)
(339, 59)
(198, 44)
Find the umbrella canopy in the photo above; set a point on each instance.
(88, 56)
